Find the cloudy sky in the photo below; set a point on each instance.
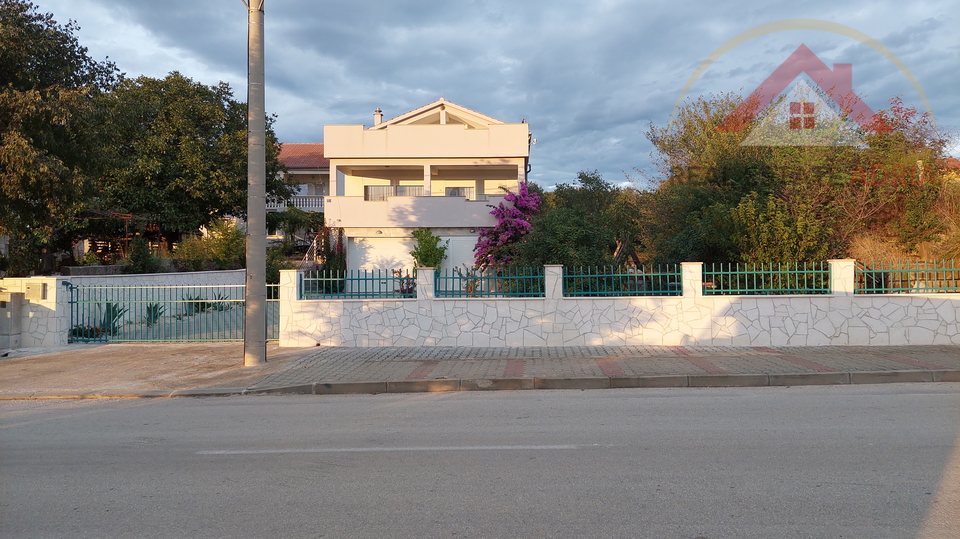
(588, 76)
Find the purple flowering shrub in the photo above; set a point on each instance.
(496, 245)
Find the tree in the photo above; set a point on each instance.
(180, 154)
(49, 151)
(718, 200)
(429, 252)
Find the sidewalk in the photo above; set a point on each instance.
(164, 370)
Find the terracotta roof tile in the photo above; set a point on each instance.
(298, 155)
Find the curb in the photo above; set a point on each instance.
(517, 384)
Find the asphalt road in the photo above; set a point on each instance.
(855, 461)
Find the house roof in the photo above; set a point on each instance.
(300, 155)
(430, 114)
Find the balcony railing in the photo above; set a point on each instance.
(381, 192)
(311, 203)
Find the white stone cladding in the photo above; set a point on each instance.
(46, 322)
(840, 318)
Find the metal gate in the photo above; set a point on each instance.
(184, 313)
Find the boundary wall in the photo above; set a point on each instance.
(838, 318)
(45, 312)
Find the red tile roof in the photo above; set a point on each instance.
(298, 155)
(952, 162)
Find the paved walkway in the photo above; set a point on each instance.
(156, 370)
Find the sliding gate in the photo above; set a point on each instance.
(186, 313)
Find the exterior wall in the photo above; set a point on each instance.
(46, 322)
(44, 319)
(841, 318)
(410, 212)
(419, 141)
(372, 253)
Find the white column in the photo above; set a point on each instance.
(425, 284)
(553, 281)
(843, 277)
(692, 278)
(332, 181)
(427, 180)
(288, 296)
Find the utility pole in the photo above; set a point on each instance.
(255, 295)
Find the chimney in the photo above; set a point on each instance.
(377, 117)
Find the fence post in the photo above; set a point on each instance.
(553, 281)
(843, 278)
(426, 279)
(692, 277)
(289, 282)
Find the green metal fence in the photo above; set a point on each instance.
(493, 282)
(357, 284)
(906, 276)
(164, 313)
(660, 280)
(766, 279)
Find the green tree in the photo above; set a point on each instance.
(718, 200)
(568, 237)
(49, 150)
(589, 223)
(429, 252)
(180, 154)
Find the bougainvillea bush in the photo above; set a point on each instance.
(497, 246)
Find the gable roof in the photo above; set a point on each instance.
(299, 155)
(836, 83)
(432, 113)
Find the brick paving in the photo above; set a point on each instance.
(331, 365)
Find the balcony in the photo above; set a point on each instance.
(309, 203)
(411, 212)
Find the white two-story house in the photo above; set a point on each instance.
(441, 166)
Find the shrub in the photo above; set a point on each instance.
(141, 260)
(223, 248)
(429, 252)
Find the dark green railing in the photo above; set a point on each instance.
(369, 284)
(596, 281)
(490, 283)
(907, 276)
(766, 279)
(183, 313)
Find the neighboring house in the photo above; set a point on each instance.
(310, 171)
(441, 166)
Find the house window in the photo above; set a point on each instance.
(801, 115)
(465, 192)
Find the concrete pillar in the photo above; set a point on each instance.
(332, 181)
(843, 278)
(692, 279)
(427, 180)
(289, 281)
(255, 304)
(426, 277)
(553, 281)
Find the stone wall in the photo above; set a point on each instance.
(840, 318)
(45, 313)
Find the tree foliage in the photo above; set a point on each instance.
(429, 252)
(720, 200)
(48, 110)
(179, 153)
